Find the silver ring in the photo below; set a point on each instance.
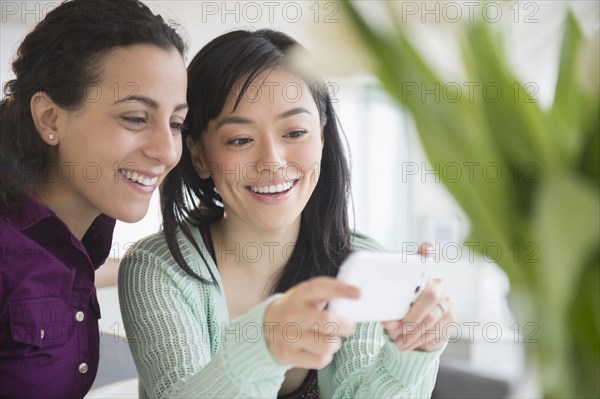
(441, 307)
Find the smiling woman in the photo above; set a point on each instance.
(230, 299)
(276, 146)
(132, 140)
(89, 128)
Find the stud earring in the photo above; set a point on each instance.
(50, 137)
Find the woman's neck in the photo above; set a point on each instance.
(78, 218)
(260, 251)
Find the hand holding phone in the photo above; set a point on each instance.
(389, 283)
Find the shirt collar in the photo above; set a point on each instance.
(97, 240)
(29, 213)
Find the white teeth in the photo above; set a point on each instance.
(279, 188)
(136, 177)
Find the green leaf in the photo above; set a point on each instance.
(568, 96)
(519, 127)
(567, 230)
(584, 324)
(590, 154)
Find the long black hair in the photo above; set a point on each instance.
(324, 237)
(61, 58)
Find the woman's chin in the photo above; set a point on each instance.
(278, 224)
(129, 216)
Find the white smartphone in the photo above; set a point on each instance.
(389, 283)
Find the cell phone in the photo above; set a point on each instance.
(389, 283)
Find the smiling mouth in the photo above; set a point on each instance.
(138, 177)
(274, 188)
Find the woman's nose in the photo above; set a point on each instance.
(271, 156)
(163, 145)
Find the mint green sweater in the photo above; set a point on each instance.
(184, 344)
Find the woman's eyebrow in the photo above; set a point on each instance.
(142, 99)
(294, 111)
(148, 101)
(236, 120)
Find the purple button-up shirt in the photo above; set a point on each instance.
(49, 337)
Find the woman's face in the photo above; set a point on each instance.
(115, 149)
(264, 156)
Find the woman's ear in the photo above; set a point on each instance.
(201, 166)
(45, 113)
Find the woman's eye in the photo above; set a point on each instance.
(239, 142)
(296, 134)
(134, 120)
(177, 127)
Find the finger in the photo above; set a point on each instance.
(326, 322)
(392, 325)
(315, 343)
(296, 339)
(432, 340)
(426, 249)
(393, 328)
(425, 303)
(320, 290)
(429, 329)
(444, 306)
(335, 325)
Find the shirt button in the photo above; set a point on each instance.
(79, 316)
(83, 368)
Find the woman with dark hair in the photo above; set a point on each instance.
(229, 300)
(89, 127)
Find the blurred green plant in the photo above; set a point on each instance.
(548, 198)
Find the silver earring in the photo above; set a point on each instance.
(50, 137)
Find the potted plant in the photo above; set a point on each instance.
(546, 208)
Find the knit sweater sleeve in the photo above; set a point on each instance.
(369, 365)
(178, 346)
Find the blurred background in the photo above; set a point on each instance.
(397, 197)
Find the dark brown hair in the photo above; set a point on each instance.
(60, 57)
